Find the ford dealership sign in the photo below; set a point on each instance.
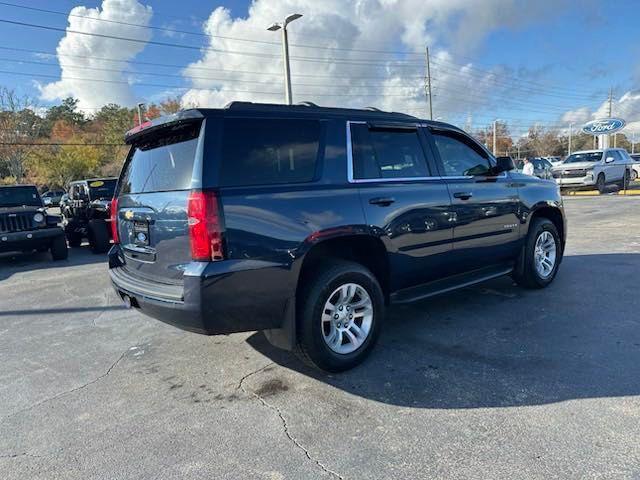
(603, 126)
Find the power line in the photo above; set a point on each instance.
(180, 87)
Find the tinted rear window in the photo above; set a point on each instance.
(269, 151)
(163, 161)
(101, 189)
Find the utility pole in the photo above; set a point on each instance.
(610, 101)
(285, 52)
(495, 122)
(518, 152)
(633, 142)
(429, 86)
(570, 137)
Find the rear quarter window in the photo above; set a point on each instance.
(269, 151)
(163, 161)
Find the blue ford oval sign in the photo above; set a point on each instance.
(603, 126)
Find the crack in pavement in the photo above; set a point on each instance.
(68, 392)
(285, 424)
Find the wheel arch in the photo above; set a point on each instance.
(365, 249)
(553, 214)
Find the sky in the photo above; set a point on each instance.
(549, 62)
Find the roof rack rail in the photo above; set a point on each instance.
(307, 104)
(373, 109)
(236, 103)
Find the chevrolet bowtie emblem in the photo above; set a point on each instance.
(128, 214)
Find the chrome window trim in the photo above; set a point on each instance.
(373, 180)
(350, 178)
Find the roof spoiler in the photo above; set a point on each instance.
(161, 122)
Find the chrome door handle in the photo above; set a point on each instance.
(463, 195)
(382, 201)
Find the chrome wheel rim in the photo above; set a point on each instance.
(347, 318)
(545, 254)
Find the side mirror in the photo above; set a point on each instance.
(503, 164)
(609, 160)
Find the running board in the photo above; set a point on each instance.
(449, 284)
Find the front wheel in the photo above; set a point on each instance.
(540, 256)
(339, 319)
(59, 249)
(601, 183)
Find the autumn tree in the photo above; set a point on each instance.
(504, 142)
(19, 127)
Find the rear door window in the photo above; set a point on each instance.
(269, 151)
(387, 153)
(162, 161)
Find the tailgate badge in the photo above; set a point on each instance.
(128, 214)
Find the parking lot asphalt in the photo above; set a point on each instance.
(488, 382)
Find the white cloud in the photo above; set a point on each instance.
(94, 94)
(406, 25)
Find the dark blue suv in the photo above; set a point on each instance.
(306, 222)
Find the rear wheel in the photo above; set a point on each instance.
(340, 316)
(601, 183)
(98, 236)
(634, 175)
(540, 256)
(59, 249)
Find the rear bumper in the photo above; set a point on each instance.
(30, 239)
(214, 298)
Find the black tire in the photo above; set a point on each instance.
(624, 184)
(526, 275)
(634, 175)
(601, 183)
(311, 346)
(98, 236)
(59, 249)
(74, 238)
(42, 249)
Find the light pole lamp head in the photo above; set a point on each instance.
(274, 27)
(291, 17)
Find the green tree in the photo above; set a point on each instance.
(56, 166)
(66, 111)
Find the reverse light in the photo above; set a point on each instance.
(113, 210)
(205, 226)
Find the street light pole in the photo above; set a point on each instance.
(570, 137)
(494, 136)
(285, 52)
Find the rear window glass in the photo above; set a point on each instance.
(162, 162)
(269, 151)
(102, 189)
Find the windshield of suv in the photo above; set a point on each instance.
(584, 157)
(19, 196)
(102, 189)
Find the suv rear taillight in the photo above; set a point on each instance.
(205, 226)
(114, 220)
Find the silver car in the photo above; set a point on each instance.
(594, 168)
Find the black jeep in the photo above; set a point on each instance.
(25, 225)
(85, 210)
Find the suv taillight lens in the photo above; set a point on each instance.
(205, 227)
(114, 220)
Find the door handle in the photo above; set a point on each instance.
(463, 195)
(382, 201)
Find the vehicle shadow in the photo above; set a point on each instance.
(496, 345)
(12, 263)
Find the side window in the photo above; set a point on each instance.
(386, 153)
(459, 155)
(269, 151)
